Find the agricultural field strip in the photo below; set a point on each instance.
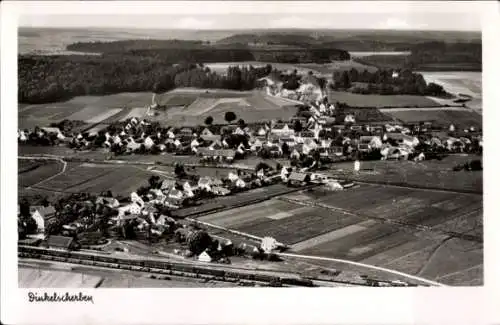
(92, 177)
(424, 109)
(331, 236)
(343, 261)
(300, 226)
(53, 176)
(441, 277)
(104, 115)
(398, 223)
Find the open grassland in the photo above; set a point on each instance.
(380, 101)
(460, 118)
(431, 173)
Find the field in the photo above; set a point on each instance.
(31, 172)
(442, 116)
(250, 106)
(353, 225)
(98, 178)
(431, 173)
(459, 82)
(380, 101)
(91, 109)
(33, 278)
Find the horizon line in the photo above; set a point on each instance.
(250, 29)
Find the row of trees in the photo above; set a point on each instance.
(45, 79)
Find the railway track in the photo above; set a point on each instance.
(214, 272)
(190, 270)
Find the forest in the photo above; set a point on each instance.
(44, 79)
(430, 56)
(198, 51)
(382, 82)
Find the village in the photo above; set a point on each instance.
(319, 136)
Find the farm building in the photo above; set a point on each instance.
(61, 242)
(402, 139)
(368, 143)
(298, 179)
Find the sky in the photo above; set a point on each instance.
(258, 15)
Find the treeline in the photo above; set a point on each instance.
(383, 82)
(44, 79)
(432, 56)
(129, 45)
(197, 51)
(313, 55)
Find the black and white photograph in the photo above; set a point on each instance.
(213, 155)
(255, 149)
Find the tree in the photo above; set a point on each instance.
(179, 170)
(154, 181)
(199, 241)
(241, 122)
(31, 226)
(24, 208)
(209, 120)
(262, 165)
(297, 126)
(229, 117)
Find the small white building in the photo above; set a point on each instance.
(204, 257)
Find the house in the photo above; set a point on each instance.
(204, 257)
(368, 143)
(185, 131)
(239, 131)
(108, 201)
(132, 208)
(394, 153)
(208, 135)
(240, 183)
(61, 242)
(454, 144)
(218, 190)
(262, 131)
(349, 118)
(298, 179)
(148, 142)
(167, 184)
(282, 130)
(194, 143)
(21, 135)
(51, 130)
(402, 139)
(132, 145)
(42, 215)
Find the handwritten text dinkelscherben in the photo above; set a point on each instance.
(57, 297)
